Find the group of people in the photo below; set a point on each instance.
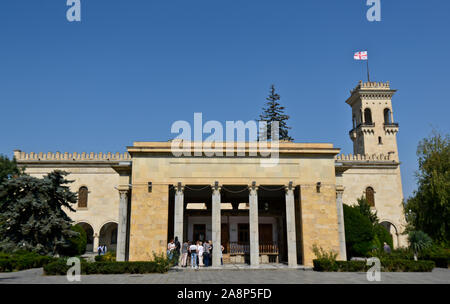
(198, 254)
(102, 249)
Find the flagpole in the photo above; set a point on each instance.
(368, 72)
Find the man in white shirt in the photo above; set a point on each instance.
(193, 251)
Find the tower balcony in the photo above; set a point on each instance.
(391, 127)
(362, 127)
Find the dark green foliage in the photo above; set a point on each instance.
(429, 207)
(382, 236)
(359, 232)
(32, 216)
(387, 265)
(156, 266)
(438, 254)
(76, 245)
(110, 256)
(274, 111)
(23, 260)
(8, 168)
(419, 241)
(364, 208)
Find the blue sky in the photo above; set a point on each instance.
(131, 68)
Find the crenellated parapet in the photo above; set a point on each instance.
(366, 157)
(58, 156)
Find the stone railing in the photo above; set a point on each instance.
(58, 156)
(366, 157)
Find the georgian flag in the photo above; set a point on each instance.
(360, 55)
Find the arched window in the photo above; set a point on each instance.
(354, 121)
(367, 116)
(380, 142)
(370, 196)
(82, 197)
(387, 116)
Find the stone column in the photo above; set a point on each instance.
(96, 241)
(290, 227)
(341, 228)
(216, 226)
(122, 229)
(254, 223)
(179, 213)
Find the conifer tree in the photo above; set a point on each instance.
(274, 111)
(32, 216)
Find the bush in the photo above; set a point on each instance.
(110, 256)
(76, 245)
(387, 265)
(60, 268)
(382, 236)
(160, 264)
(23, 260)
(441, 256)
(359, 232)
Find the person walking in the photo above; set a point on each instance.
(193, 252)
(200, 250)
(105, 249)
(387, 248)
(99, 250)
(184, 254)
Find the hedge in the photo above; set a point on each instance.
(60, 268)
(14, 262)
(387, 265)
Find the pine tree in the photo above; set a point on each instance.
(8, 168)
(274, 111)
(32, 216)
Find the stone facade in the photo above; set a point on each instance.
(145, 192)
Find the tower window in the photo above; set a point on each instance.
(380, 142)
(387, 116)
(82, 197)
(370, 196)
(367, 116)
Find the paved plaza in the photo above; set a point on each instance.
(232, 276)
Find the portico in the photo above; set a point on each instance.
(230, 199)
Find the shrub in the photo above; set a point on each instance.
(382, 236)
(22, 261)
(419, 241)
(387, 265)
(76, 245)
(159, 264)
(60, 268)
(441, 256)
(359, 232)
(110, 256)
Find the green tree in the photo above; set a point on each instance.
(274, 111)
(359, 232)
(428, 209)
(76, 245)
(8, 168)
(32, 216)
(364, 208)
(419, 241)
